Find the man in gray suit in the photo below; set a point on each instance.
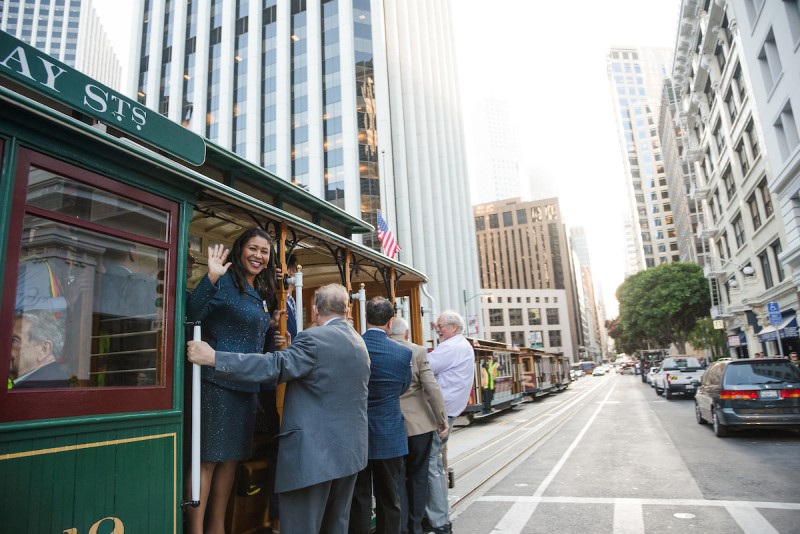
(424, 412)
(323, 438)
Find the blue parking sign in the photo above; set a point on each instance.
(774, 311)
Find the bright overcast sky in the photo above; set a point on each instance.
(547, 60)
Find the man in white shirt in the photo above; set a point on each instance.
(453, 364)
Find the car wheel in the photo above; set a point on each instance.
(667, 393)
(720, 430)
(658, 390)
(700, 420)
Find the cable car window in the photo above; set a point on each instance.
(88, 262)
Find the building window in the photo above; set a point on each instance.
(755, 214)
(518, 338)
(770, 62)
(554, 338)
(752, 137)
(499, 337)
(496, 317)
(552, 316)
(766, 198)
(786, 131)
(534, 316)
(508, 219)
(479, 223)
(522, 217)
(744, 163)
(730, 184)
(719, 137)
(515, 316)
(766, 271)
(776, 252)
(738, 231)
(730, 103)
(494, 221)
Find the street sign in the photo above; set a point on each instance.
(719, 324)
(774, 311)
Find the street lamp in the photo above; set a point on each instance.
(466, 313)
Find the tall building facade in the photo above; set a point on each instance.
(355, 101)
(770, 33)
(592, 323)
(68, 30)
(636, 76)
(523, 249)
(724, 149)
(495, 152)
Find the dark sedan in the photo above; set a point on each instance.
(763, 393)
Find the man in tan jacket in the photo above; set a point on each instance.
(424, 413)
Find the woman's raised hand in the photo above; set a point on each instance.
(216, 262)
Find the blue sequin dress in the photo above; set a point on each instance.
(232, 322)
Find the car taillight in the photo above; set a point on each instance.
(727, 394)
(790, 393)
(666, 377)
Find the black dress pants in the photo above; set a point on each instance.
(415, 498)
(386, 479)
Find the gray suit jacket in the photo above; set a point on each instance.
(324, 430)
(422, 403)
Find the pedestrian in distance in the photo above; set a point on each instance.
(323, 435)
(794, 358)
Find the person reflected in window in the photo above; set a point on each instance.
(794, 358)
(233, 304)
(36, 344)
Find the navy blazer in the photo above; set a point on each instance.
(390, 376)
(324, 429)
(229, 321)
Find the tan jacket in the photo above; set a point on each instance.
(422, 403)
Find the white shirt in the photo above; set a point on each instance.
(453, 364)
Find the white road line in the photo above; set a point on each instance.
(643, 502)
(520, 512)
(750, 520)
(628, 518)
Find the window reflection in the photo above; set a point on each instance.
(89, 308)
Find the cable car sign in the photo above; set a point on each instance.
(42, 73)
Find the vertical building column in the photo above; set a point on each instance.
(254, 73)
(316, 161)
(200, 73)
(225, 112)
(176, 68)
(352, 185)
(283, 112)
(156, 26)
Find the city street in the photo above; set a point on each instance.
(609, 455)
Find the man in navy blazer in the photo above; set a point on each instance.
(390, 376)
(323, 438)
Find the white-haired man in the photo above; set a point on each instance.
(453, 364)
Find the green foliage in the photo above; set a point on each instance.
(661, 306)
(705, 336)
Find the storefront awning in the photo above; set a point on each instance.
(787, 329)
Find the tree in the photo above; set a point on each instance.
(661, 306)
(622, 341)
(705, 336)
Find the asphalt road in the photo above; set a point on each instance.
(610, 456)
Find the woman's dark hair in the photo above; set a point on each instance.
(264, 283)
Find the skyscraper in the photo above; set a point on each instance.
(68, 30)
(524, 258)
(636, 76)
(354, 100)
(495, 151)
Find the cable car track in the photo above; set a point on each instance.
(508, 440)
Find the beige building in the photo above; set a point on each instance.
(523, 249)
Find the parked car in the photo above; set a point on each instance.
(678, 375)
(651, 375)
(735, 394)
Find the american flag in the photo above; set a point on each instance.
(385, 236)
